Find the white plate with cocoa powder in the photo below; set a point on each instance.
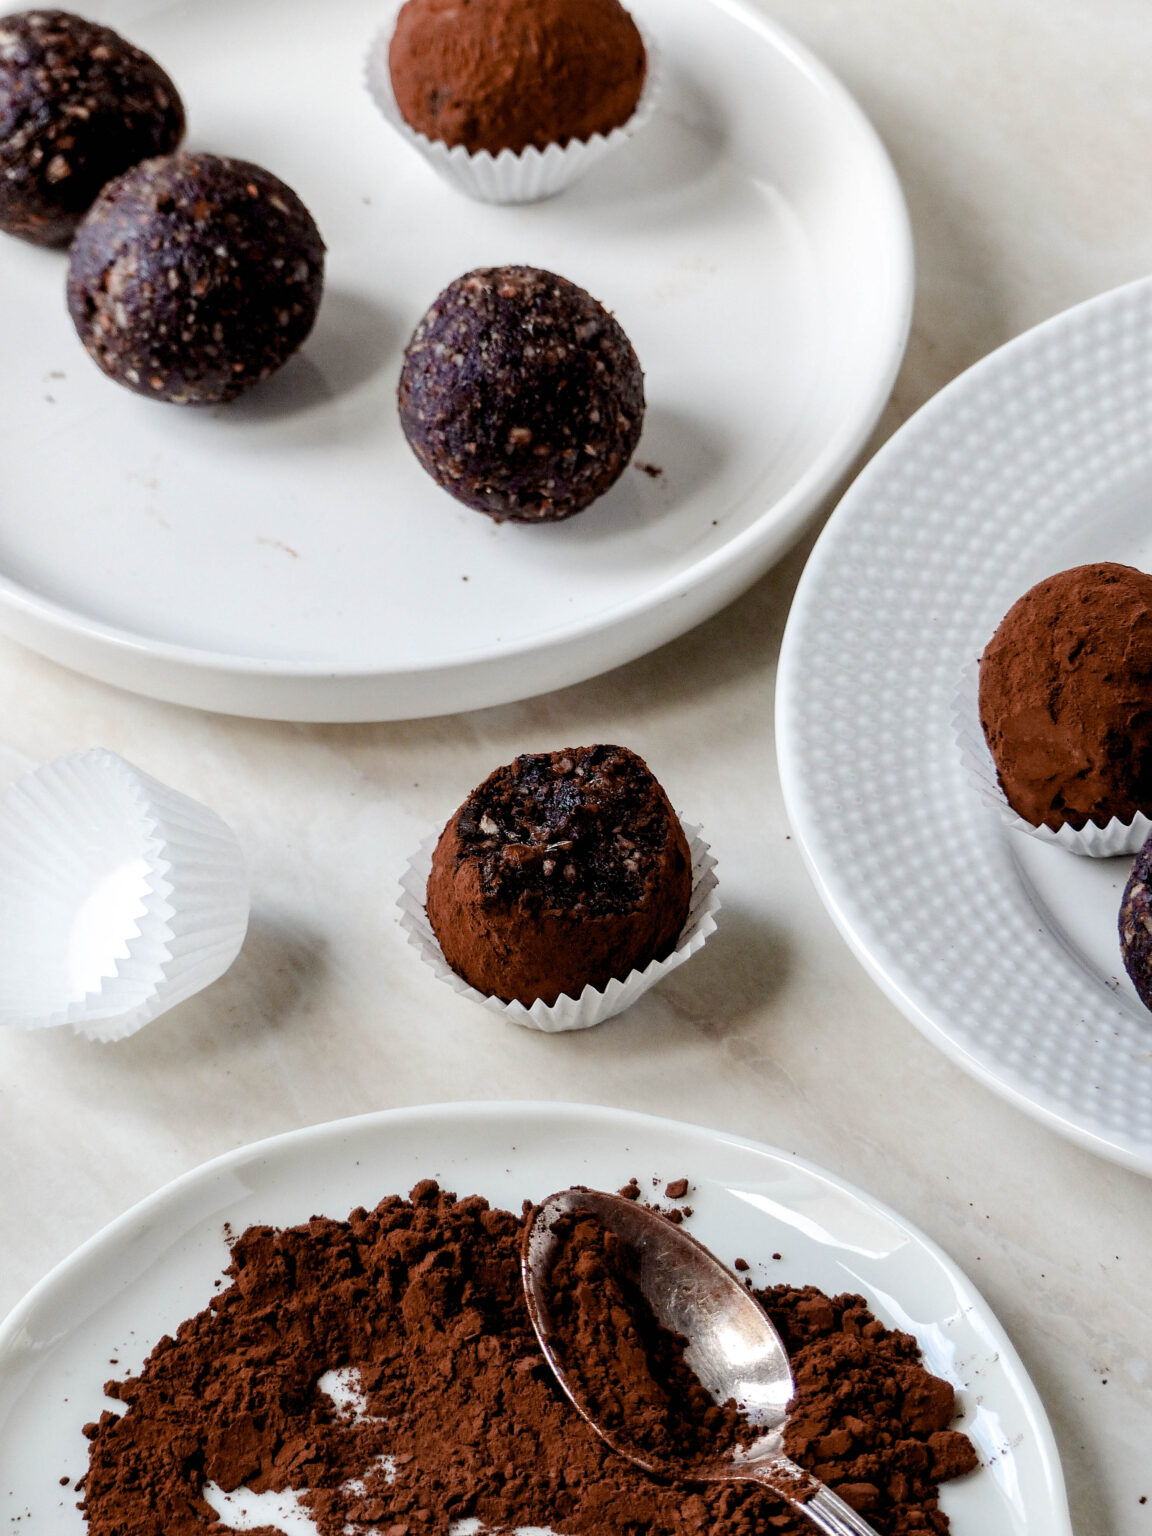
(1002, 950)
(101, 1312)
(286, 556)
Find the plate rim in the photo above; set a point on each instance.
(179, 673)
(507, 1114)
(1117, 1146)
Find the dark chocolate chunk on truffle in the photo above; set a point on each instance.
(506, 74)
(193, 277)
(1136, 924)
(561, 870)
(78, 106)
(521, 395)
(1066, 697)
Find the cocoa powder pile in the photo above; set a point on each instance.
(628, 1370)
(462, 1417)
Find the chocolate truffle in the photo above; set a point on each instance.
(194, 277)
(1136, 924)
(506, 74)
(1066, 698)
(521, 395)
(561, 870)
(78, 105)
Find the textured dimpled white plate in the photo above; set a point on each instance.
(1002, 950)
(139, 1278)
(286, 557)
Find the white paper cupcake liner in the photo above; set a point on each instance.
(1092, 841)
(527, 177)
(119, 897)
(592, 1006)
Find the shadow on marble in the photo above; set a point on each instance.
(273, 978)
(739, 973)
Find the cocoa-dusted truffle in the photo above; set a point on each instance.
(78, 105)
(193, 277)
(1066, 697)
(521, 395)
(560, 870)
(1136, 924)
(506, 74)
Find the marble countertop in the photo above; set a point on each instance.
(1020, 133)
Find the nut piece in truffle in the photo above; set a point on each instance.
(78, 105)
(1066, 698)
(506, 74)
(561, 870)
(193, 277)
(521, 395)
(1136, 924)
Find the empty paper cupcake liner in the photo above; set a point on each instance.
(527, 177)
(592, 1006)
(119, 897)
(1092, 841)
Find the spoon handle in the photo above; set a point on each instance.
(808, 1496)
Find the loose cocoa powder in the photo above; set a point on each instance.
(462, 1418)
(628, 1370)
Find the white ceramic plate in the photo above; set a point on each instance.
(286, 557)
(155, 1266)
(1002, 950)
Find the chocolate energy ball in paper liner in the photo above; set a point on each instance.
(1065, 703)
(78, 106)
(194, 277)
(1114, 838)
(573, 907)
(562, 870)
(593, 1005)
(504, 74)
(511, 101)
(416, 1309)
(521, 395)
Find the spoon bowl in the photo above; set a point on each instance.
(731, 1346)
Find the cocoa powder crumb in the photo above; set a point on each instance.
(676, 1190)
(419, 1302)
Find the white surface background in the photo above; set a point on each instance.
(1021, 132)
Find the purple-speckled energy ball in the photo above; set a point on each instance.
(193, 277)
(78, 105)
(521, 395)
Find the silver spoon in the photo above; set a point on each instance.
(732, 1347)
